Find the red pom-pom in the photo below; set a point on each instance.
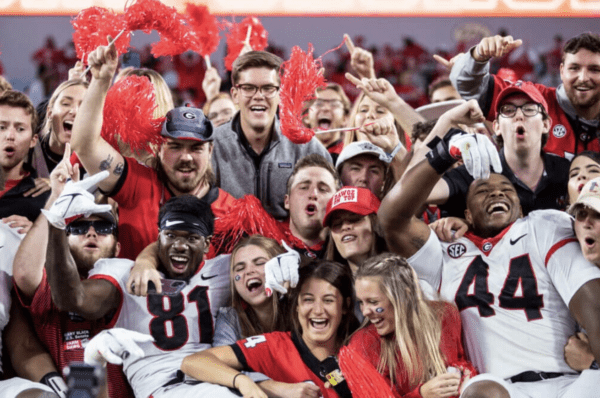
(92, 25)
(205, 26)
(237, 37)
(300, 78)
(128, 114)
(246, 217)
(175, 36)
(363, 379)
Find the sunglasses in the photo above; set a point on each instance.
(102, 227)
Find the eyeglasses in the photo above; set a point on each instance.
(529, 110)
(226, 113)
(248, 90)
(333, 103)
(102, 227)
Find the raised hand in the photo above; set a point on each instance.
(103, 61)
(282, 271)
(211, 83)
(494, 46)
(361, 60)
(379, 90)
(75, 201)
(478, 154)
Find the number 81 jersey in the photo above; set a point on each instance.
(181, 324)
(512, 291)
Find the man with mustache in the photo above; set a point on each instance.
(573, 106)
(181, 167)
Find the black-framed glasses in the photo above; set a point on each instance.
(333, 103)
(248, 90)
(529, 109)
(102, 227)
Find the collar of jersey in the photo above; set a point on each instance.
(480, 242)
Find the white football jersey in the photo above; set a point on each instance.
(512, 291)
(9, 243)
(181, 324)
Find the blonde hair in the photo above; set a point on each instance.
(249, 321)
(61, 87)
(417, 334)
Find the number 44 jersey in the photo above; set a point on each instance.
(512, 291)
(181, 324)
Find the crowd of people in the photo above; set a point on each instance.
(450, 249)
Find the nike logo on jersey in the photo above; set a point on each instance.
(171, 223)
(512, 242)
(205, 278)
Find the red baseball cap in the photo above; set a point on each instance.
(356, 200)
(521, 87)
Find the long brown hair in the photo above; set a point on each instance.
(249, 322)
(417, 334)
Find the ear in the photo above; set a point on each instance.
(286, 202)
(207, 246)
(496, 127)
(117, 249)
(234, 96)
(561, 69)
(547, 124)
(468, 217)
(34, 139)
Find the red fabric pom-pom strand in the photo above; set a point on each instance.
(206, 28)
(237, 37)
(91, 28)
(301, 76)
(127, 114)
(176, 37)
(246, 217)
(363, 379)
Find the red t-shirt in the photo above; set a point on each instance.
(140, 198)
(276, 356)
(367, 342)
(65, 334)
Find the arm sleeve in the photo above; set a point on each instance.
(472, 80)
(427, 262)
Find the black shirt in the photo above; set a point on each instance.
(550, 192)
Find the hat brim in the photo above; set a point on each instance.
(435, 110)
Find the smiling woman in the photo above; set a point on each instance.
(411, 341)
(322, 306)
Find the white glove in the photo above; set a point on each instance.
(477, 152)
(115, 345)
(75, 201)
(280, 269)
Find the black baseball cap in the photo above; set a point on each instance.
(186, 123)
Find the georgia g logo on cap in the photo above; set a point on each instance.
(189, 115)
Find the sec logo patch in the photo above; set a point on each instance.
(559, 131)
(456, 250)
